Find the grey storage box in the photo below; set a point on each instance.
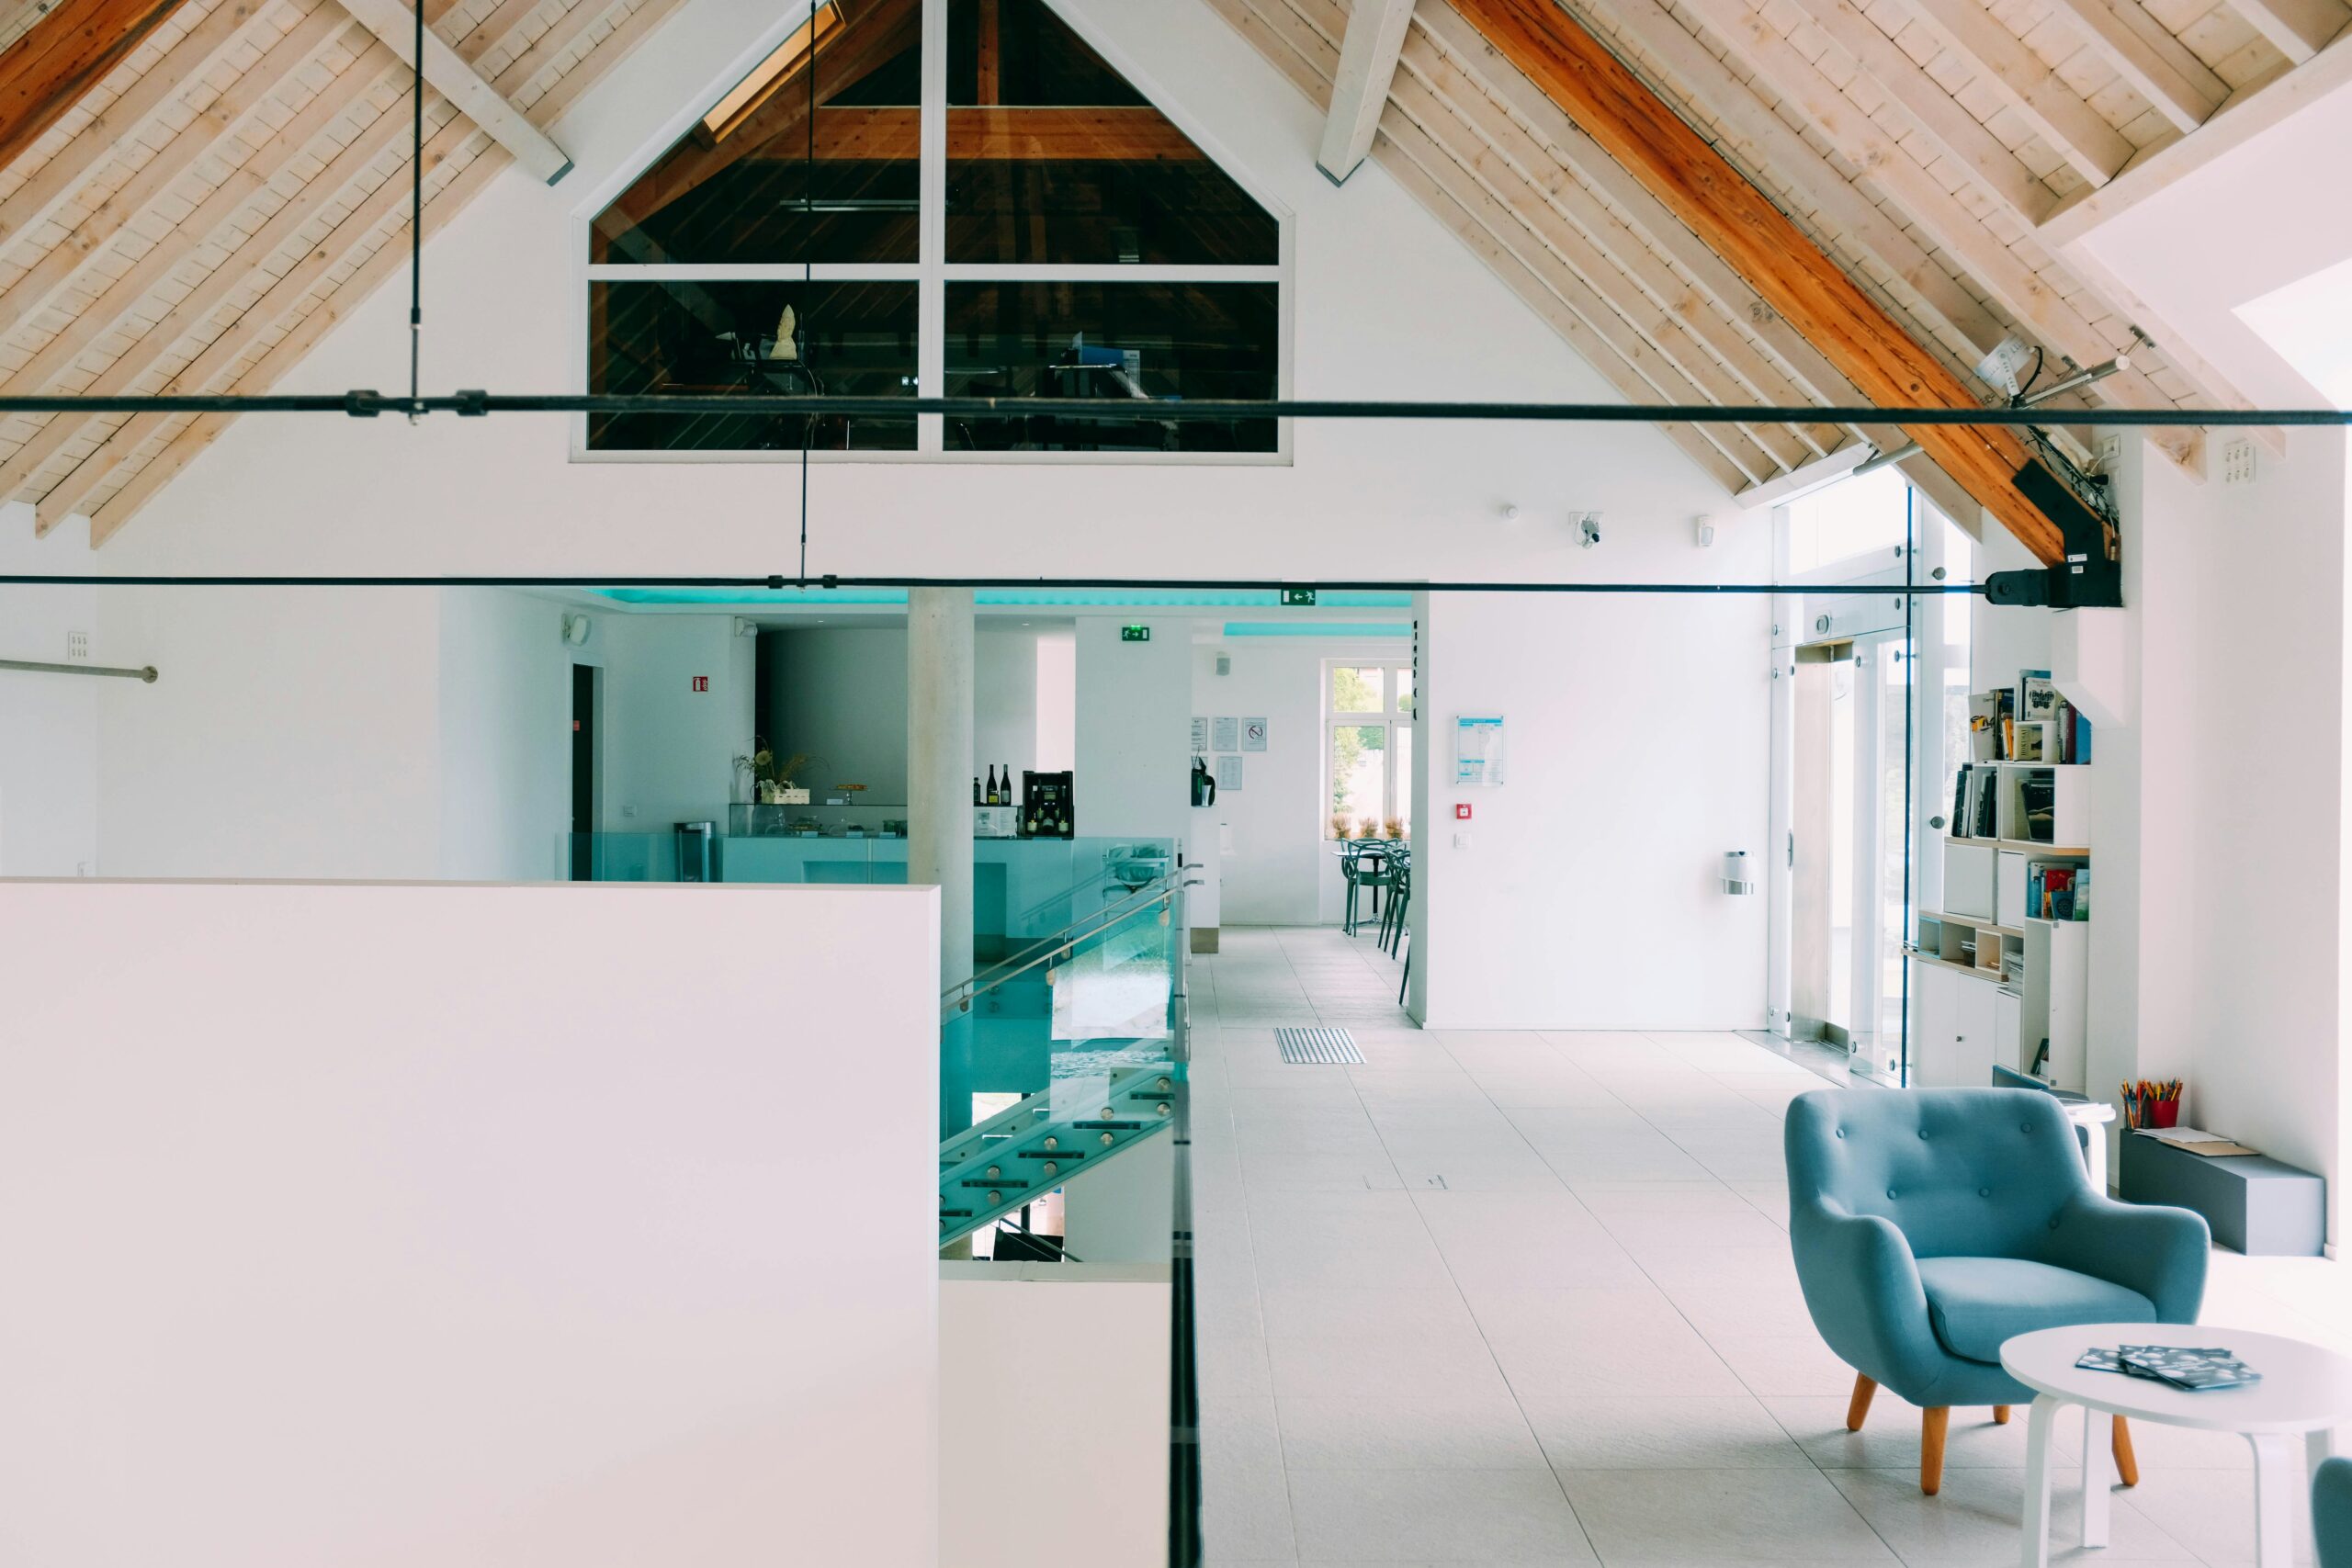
(2256, 1204)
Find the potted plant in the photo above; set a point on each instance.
(1341, 826)
(1368, 828)
(1394, 830)
(772, 775)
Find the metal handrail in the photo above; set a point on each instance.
(959, 997)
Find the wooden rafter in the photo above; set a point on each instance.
(2004, 62)
(2159, 67)
(1375, 35)
(61, 57)
(2296, 28)
(447, 74)
(1629, 120)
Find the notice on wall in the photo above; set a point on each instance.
(1200, 735)
(1228, 773)
(1226, 735)
(1477, 750)
(1253, 735)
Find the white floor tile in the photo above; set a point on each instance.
(1435, 1516)
(1649, 1432)
(1978, 1517)
(1736, 1515)
(1459, 1432)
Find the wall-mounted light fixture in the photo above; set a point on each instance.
(1589, 530)
(576, 629)
(1735, 879)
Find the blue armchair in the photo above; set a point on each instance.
(2331, 1512)
(1931, 1225)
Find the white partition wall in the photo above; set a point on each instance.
(381, 1225)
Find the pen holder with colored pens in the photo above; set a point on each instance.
(2163, 1113)
(2152, 1103)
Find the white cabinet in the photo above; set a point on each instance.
(2008, 1009)
(2008, 889)
(1968, 879)
(1955, 1027)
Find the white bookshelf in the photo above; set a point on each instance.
(1991, 979)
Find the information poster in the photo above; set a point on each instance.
(1200, 736)
(1477, 750)
(1226, 735)
(1228, 773)
(1253, 735)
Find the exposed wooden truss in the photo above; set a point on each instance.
(395, 23)
(1933, 149)
(1367, 64)
(61, 56)
(232, 190)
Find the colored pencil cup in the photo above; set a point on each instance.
(2163, 1113)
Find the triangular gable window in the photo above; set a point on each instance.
(777, 247)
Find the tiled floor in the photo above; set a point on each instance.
(1527, 1298)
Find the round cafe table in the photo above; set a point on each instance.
(2304, 1393)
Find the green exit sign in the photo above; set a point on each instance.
(1300, 596)
(1135, 634)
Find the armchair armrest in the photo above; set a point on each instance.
(1862, 1287)
(2158, 1251)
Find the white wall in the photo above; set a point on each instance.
(1052, 1419)
(313, 1263)
(505, 736)
(48, 734)
(1135, 714)
(668, 750)
(1025, 697)
(1275, 825)
(1589, 896)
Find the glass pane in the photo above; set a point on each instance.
(778, 338)
(1853, 517)
(1405, 689)
(1359, 779)
(1135, 342)
(1838, 1009)
(1892, 768)
(1356, 688)
(750, 182)
(1053, 157)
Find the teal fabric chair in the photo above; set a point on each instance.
(2331, 1512)
(1930, 1226)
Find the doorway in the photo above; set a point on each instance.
(583, 772)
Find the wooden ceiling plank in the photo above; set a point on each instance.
(1635, 126)
(195, 52)
(2299, 29)
(2074, 130)
(1942, 119)
(44, 74)
(1297, 49)
(62, 266)
(247, 267)
(2157, 65)
(281, 299)
(1533, 177)
(442, 205)
(388, 260)
(448, 74)
(1375, 34)
(1928, 291)
(1449, 54)
(219, 221)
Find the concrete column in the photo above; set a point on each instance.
(939, 804)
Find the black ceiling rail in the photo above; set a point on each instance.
(772, 582)
(368, 404)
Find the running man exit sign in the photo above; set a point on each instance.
(1304, 597)
(1135, 634)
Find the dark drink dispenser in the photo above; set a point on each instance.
(1048, 805)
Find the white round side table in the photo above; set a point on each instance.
(2304, 1393)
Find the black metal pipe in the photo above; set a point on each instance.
(622, 580)
(367, 404)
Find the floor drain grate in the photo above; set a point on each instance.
(1318, 1046)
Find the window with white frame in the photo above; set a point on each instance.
(1369, 757)
(959, 200)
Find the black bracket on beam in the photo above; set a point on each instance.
(2087, 578)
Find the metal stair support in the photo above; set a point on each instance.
(1025, 1151)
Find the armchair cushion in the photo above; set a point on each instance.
(1974, 1303)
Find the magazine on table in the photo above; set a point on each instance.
(2190, 1367)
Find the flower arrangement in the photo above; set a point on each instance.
(1341, 826)
(1368, 828)
(771, 775)
(1394, 828)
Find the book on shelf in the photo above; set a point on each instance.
(2037, 695)
(1960, 801)
(2056, 891)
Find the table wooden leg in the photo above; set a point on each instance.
(2038, 1423)
(2098, 1477)
(2279, 1483)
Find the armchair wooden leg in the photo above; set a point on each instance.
(2001, 1416)
(1932, 1424)
(2127, 1464)
(1857, 1409)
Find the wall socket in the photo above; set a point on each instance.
(77, 645)
(2109, 451)
(2237, 460)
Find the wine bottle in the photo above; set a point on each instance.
(1008, 786)
(992, 800)
(975, 789)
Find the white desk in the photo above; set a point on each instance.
(2304, 1391)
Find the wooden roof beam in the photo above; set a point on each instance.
(1367, 64)
(2077, 131)
(447, 74)
(61, 57)
(2158, 66)
(2299, 29)
(1618, 110)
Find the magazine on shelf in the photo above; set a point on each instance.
(2037, 695)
